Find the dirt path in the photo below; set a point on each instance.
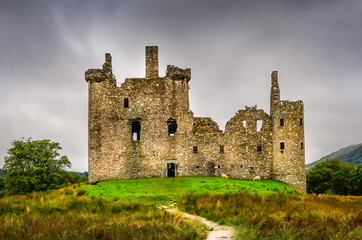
(217, 231)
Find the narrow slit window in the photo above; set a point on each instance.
(301, 122)
(282, 122)
(172, 127)
(259, 148)
(244, 123)
(301, 145)
(194, 149)
(221, 149)
(126, 103)
(136, 130)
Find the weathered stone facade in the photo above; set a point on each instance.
(145, 128)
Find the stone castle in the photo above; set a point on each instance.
(145, 128)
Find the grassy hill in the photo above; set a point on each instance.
(167, 190)
(350, 154)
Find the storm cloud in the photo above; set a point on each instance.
(231, 46)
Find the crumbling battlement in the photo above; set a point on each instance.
(205, 125)
(144, 128)
(177, 73)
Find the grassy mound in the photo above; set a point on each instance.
(167, 190)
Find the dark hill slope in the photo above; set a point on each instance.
(350, 154)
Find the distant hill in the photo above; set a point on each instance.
(350, 154)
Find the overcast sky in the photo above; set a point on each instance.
(231, 47)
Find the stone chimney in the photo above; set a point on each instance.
(151, 61)
(275, 92)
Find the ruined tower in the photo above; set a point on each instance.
(145, 128)
(288, 138)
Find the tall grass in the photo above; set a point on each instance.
(281, 216)
(68, 214)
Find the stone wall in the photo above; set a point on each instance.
(248, 149)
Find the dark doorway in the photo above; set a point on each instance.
(171, 169)
(210, 169)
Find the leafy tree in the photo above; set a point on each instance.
(318, 180)
(341, 180)
(2, 174)
(2, 184)
(34, 165)
(334, 176)
(356, 181)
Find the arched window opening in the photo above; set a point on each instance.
(136, 130)
(172, 127)
(282, 122)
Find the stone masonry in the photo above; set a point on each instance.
(145, 128)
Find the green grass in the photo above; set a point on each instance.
(168, 190)
(68, 214)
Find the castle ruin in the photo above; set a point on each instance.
(145, 128)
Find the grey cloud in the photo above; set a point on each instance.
(231, 46)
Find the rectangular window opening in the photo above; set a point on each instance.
(282, 122)
(301, 122)
(194, 149)
(259, 148)
(282, 146)
(221, 149)
(126, 103)
(301, 145)
(251, 170)
(259, 124)
(244, 123)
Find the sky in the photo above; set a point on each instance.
(231, 47)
